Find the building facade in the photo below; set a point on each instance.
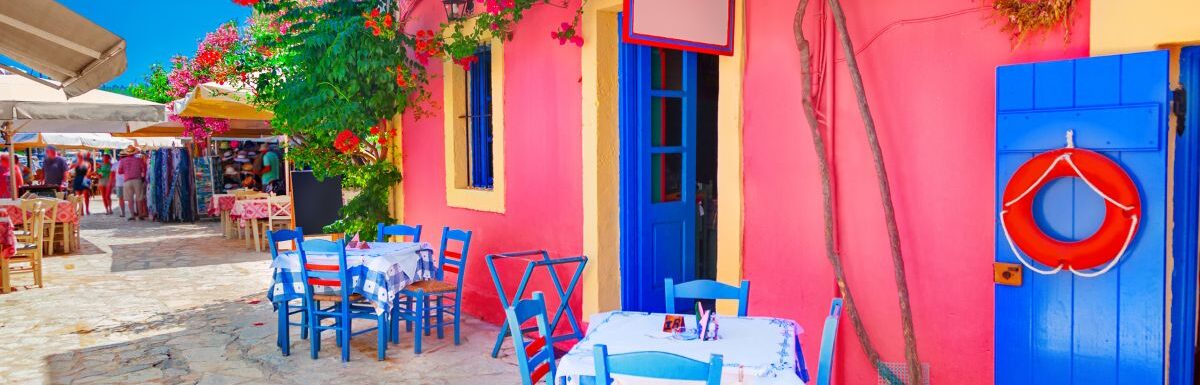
(566, 157)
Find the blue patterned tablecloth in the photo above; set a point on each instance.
(378, 273)
(756, 350)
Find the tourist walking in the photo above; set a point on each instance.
(81, 181)
(104, 169)
(133, 169)
(54, 168)
(271, 171)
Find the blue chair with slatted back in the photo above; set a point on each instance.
(283, 304)
(707, 289)
(657, 365)
(343, 309)
(534, 357)
(384, 231)
(828, 337)
(417, 307)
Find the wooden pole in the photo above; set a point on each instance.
(818, 142)
(885, 192)
(12, 159)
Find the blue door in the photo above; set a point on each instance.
(1062, 328)
(658, 172)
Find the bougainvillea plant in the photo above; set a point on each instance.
(461, 39)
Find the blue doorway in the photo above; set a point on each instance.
(1185, 108)
(668, 193)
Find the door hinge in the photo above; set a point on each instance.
(1179, 108)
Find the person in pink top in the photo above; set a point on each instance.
(133, 171)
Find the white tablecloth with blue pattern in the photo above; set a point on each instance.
(377, 273)
(756, 350)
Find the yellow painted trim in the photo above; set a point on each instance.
(730, 212)
(601, 220)
(458, 192)
(396, 203)
(601, 215)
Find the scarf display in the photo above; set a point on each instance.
(171, 185)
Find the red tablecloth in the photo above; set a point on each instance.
(8, 240)
(247, 209)
(66, 213)
(221, 202)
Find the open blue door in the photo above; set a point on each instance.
(1062, 328)
(658, 172)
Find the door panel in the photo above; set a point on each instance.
(658, 173)
(1060, 328)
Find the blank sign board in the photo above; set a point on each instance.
(691, 25)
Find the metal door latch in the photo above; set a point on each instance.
(1008, 273)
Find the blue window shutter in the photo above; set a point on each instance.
(480, 120)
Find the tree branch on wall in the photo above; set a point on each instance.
(885, 192)
(818, 142)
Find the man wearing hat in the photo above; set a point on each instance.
(54, 168)
(133, 170)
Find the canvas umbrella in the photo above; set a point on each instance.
(51, 39)
(29, 106)
(212, 100)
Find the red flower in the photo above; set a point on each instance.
(375, 12)
(387, 21)
(245, 3)
(346, 141)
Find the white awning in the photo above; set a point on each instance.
(52, 39)
(34, 107)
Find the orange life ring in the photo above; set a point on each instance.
(1122, 209)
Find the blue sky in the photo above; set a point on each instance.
(156, 30)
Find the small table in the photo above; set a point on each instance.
(756, 350)
(247, 212)
(378, 273)
(221, 205)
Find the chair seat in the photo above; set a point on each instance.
(26, 246)
(432, 286)
(336, 297)
(22, 233)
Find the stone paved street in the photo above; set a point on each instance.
(177, 303)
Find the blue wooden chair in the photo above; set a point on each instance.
(828, 337)
(707, 289)
(426, 300)
(344, 309)
(283, 304)
(398, 231)
(658, 365)
(534, 357)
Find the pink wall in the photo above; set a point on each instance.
(544, 188)
(930, 82)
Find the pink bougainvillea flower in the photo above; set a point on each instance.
(577, 40)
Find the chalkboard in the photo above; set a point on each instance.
(316, 202)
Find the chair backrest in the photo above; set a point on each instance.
(658, 365)
(37, 222)
(534, 357)
(453, 261)
(29, 208)
(279, 207)
(707, 289)
(284, 235)
(324, 274)
(828, 339)
(401, 230)
(51, 207)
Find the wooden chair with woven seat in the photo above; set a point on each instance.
(343, 310)
(279, 216)
(426, 300)
(27, 213)
(28, 250)
(51, 227)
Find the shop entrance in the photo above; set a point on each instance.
(668, 144)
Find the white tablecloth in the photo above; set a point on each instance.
(756, 350)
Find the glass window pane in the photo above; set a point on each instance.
(666, 177)
(666, 69)
(666, 122)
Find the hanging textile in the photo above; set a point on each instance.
(172, 185)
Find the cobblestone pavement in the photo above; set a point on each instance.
(177, 303)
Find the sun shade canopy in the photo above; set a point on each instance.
(52, 39)
(237, 129)
(34, 107)
(70, 141)
(212, 100)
